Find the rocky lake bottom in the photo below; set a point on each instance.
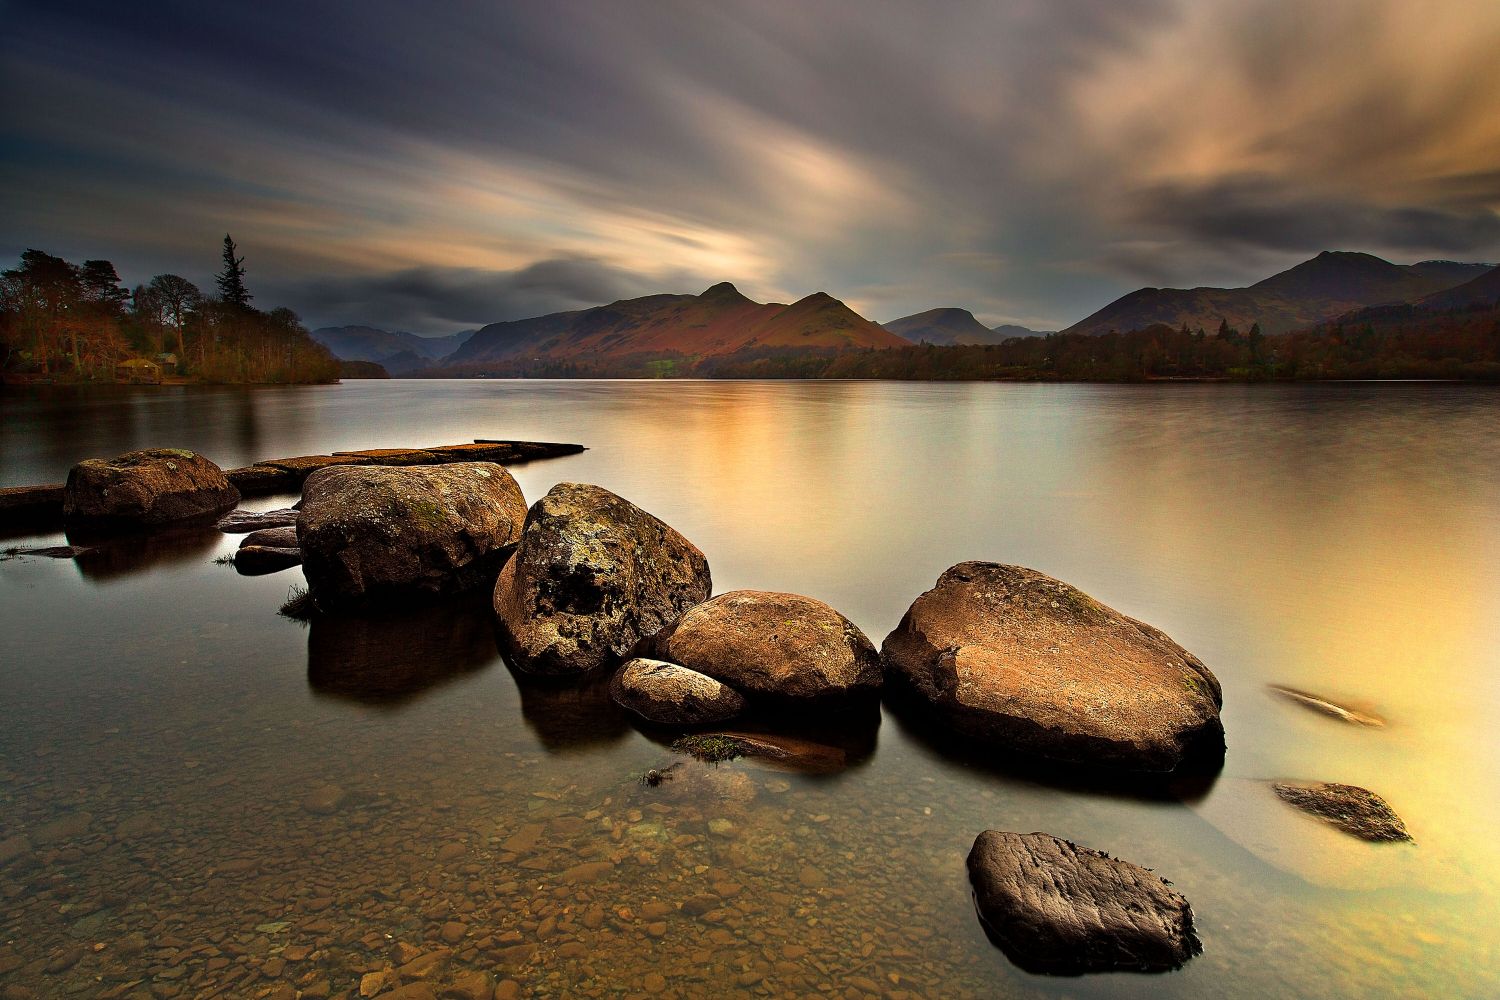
(216, 801)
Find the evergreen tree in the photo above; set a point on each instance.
(231, 280)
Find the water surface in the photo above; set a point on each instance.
(168, 739)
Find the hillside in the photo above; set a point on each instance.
(1332, 283)
(397, 351)
(1482, 291)
(717, 323)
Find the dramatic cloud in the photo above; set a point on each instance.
(435, 166)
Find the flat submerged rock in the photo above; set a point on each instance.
(1055, 907)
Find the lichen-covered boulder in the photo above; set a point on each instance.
(773, 646)
(146, 489)
(673, 695)
(1025, 662)
(377, 534)
(593, 576)
(1055, 907)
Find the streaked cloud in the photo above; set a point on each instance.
(442, 166)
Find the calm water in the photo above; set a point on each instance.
(167, 739)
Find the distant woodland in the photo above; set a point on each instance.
(61, 321)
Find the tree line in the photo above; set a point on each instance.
(78, 321)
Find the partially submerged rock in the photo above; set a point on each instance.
(284, 537)
(146, 489)
(593, 576)
(375, 534)
(240, 522)
(673, 695)
(258, 560)
(1025, 662)
(1055, 907)
(1357, 811)
(1324, 706)
(776, 646)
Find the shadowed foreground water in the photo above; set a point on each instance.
(199, 798)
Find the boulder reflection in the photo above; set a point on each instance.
(1192, 780)
(571, 714)
(115, 557)
(818, 745)
(398, 656)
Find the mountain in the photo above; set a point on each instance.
(1007, 331)
(940, 326)
(399, 352)
(949, 326)
(1482, 291)
(1332, 283)
(717, 323)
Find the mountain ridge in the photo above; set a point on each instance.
(1328, 285)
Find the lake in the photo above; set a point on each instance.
(221, 802)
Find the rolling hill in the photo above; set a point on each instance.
(718, 323)
(1332, 283)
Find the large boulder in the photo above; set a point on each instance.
(146, 489)
(1025, 662)
(1055, 907)
(593, 576)
(673, 695)
(772, 646)
(377, 534)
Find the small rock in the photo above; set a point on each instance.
(453, 932)
(672, 695)
(1357, 811)
(259, 560)
(325, 800)
(241, 521)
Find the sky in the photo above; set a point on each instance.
(434, 167)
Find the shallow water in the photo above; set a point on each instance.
(167, 739)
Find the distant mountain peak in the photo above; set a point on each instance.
(723, 290)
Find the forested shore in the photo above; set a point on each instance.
(61, 321)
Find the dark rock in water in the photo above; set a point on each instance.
(263, 480)
(593, 576)
(377, 534)
(775, 646)
(673, 695)
(240, 522)
(1058, 908)
(1325, 707)
(38, 506)
(275, 538)
(1023, 661)
(393, 456)
(1354, 810)
(258, 560)
(146, 489)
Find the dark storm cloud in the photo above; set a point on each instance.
(1026, 159)
(1262, 213)
(435, 300)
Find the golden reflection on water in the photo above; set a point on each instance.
(1341, 540)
